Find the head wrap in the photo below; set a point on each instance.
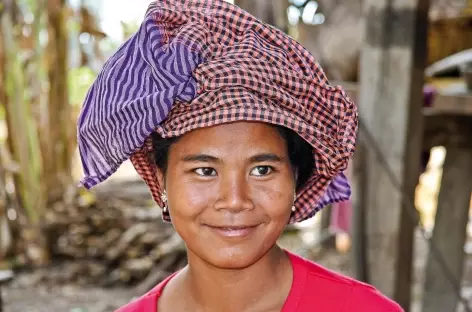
(200, 63)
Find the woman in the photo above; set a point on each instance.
(237, 133)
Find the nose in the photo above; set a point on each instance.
(233, 193)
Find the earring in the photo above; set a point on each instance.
(293, 206)
(164, 200)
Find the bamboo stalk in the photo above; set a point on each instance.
(22, 136)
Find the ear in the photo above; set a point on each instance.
(161, 178)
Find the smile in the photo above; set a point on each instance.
(233, 231)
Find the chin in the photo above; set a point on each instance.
(232, 258)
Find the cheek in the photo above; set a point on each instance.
(275, 204)
(188, 199)
(276, 197)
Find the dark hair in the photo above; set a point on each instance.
(300, 153)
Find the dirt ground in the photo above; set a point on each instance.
(21, 298)
(64, 299)
(24, 294)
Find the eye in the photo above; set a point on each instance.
(205, 172)
(261, 170)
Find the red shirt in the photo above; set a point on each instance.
(314, 288)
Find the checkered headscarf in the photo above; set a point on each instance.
(199, 63)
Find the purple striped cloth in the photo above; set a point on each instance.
(132, 95)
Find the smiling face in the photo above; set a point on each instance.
(230, 189)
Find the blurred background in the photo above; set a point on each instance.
(63, 248)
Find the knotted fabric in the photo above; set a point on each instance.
(200, 63)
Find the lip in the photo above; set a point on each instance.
(233, 231)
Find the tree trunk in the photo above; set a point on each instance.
(60, 134)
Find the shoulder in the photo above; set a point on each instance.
(371, 299)
(136, 305)
(340, 292)
(147, 302)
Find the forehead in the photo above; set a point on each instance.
(250, 137)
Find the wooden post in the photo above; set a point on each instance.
(330, 241)
(359, 239)
(449, 232)
(391, 80)
(273, 12)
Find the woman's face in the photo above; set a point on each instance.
(230, 190)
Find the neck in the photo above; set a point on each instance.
(245, 289)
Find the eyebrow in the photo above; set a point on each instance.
(265, 157)
(200, 158)
(253, 159)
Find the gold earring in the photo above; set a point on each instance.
(293, 206)
(164, 201)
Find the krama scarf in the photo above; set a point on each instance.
(200, 63)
